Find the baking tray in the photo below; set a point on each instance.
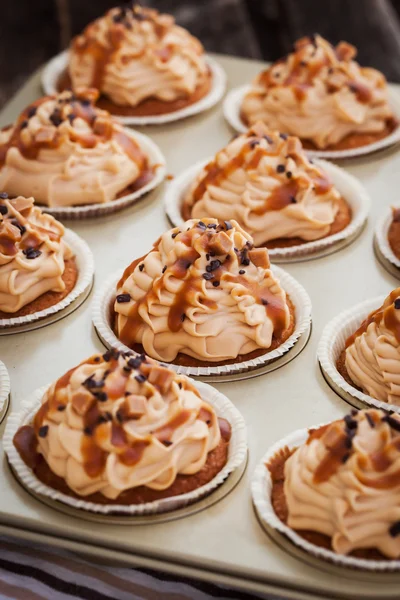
(224, 543)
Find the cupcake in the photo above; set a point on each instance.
(37, 267)
(265, 181)
(66, 152)
(141, 62)
(121, 429)
(320, 94)
(203, 295)
(394, 232)
(370, 360)
(340, 489)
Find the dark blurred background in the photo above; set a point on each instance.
(32, 31)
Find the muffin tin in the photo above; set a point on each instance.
(225, 544)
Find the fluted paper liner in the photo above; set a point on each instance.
(261, 489)
(58, 64)
(348, 186)
(85, 265)
(4, 385)
(333, 342)
(236, 455)
(234, 100)
(156, 159)
(381, 237)
(103, 309)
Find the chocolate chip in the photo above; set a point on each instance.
(245, 262)
(183, 317)
(140, 378)
(24, 124)
(370, 420)
(303, 63)
(293, 199)
(121, 298)
(180, 385)
(21, 228)
(164, 269)
(119, 416)
(283, 136)
(211, 226)
(397, 303)
(3, 209)
(345, 458)
(242, 272)
(61, 407)
(264, 301)
(43, 431)
(3, 196)
(254, 143)
(213, 266)
(101, 419)
(394, 529)
(212, 253)
(289, 174)
(141, 267)
(215, 283)
(167, 443)
(100, 396)
(31, 253)
(85, 102)
(208, 276)
(87, 431)
(96, 359)
(228, 226)
(280, 168)
(393, 423)
(31, 111)
(175, 234)
(71, 117)
(91, 384)
(135, 362)
(350, 422)
(268, 138)
(55, 118)
(201, 225)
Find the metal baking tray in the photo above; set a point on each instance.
(225, 542)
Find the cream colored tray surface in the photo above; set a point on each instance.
(225, 543)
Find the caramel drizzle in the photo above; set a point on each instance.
(191, 291)
(280, 197)
(385, 314)
(104, 55)
(102, 131)
(303, 72)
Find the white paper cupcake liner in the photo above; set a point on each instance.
(349, 187)
(57, 65)
(156, 159)
(104, 301)
(261, 489)
(5, 386)
(381, 237)
(85, 265)
(236, 455)
(333, 342)
(233, 103)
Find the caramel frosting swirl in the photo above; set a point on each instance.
(265, 182)
(119, 421)
(373, 352)
(32, 253)
(344, 482)
(203, 291)
(67, 152)
(319, 93)
(133, 54)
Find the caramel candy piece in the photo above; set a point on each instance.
(294, 146)
(161, 378)
(90, 94)
(22, 205)
(135, 405)
(82, 401)
(259, 257)
(345, 51)
(220, 243)
(45, 134)
(9, 236)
